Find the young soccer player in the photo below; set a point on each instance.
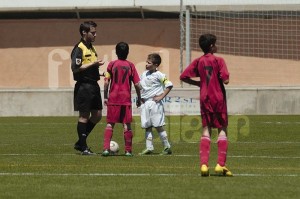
(155, 86)
(118, 78)
(213, 74)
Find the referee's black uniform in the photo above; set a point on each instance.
(87, 95)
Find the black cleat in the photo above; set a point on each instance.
(78, 147)
(87, 151)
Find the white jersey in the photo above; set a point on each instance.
(153, 84)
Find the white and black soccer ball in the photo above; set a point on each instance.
(114, 147)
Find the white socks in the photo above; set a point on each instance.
(164, 139)
(149, 141)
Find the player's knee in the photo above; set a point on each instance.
(222, 131)
(126, 127)
(150, 138)
(160, 129)
(109, 125)
(206, 131)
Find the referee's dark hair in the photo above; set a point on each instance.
(86, 26)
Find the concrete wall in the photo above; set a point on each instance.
(245, 101)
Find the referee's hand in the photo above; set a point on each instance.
(99, 62)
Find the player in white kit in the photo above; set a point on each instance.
(155, 86)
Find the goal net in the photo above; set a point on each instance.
(257, 29)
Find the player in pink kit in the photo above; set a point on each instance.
(213, 74)
(118, 78)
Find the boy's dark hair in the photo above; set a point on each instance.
(206, 41)
(86, 26)
(122, 50)
(155, 58)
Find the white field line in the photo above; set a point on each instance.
(283, 142)
(141, 174)
(246, 156)
(179, 155)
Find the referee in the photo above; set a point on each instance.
(87, 96)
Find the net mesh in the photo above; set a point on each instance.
(256, 33)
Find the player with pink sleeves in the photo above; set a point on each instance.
(120, 74)
(213, 74)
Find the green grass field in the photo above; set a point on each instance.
(37, 160)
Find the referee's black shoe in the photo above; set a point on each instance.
(78, 147)
(87, 151)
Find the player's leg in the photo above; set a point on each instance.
(149, 142)
(205, 145)
(157, 116)
(204, 150)
(146, 124)
(149, 139)
(113, 115)
(222, 145)
(145, 115)
(125, 117)
(127, 131)
(164, 139)
(108, 133)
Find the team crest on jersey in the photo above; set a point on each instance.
(78, 61)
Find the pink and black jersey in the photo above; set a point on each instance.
(122, 73)
(212, 71)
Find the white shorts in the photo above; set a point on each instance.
(152, 114)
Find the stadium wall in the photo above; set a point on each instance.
(181, 101)
(36, 80)
(36, 53)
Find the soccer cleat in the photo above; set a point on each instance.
(77, 146)
(204, 170)
(128, 154)
(166, 151)
(105, 153)
(222, 171)
(87, 151)
(146, 152)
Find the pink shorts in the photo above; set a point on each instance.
(119, 114)
(214, 120)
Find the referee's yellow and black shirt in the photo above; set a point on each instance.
(84, 53)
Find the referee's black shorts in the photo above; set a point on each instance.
(87, 97)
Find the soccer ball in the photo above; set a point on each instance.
(114, 147)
